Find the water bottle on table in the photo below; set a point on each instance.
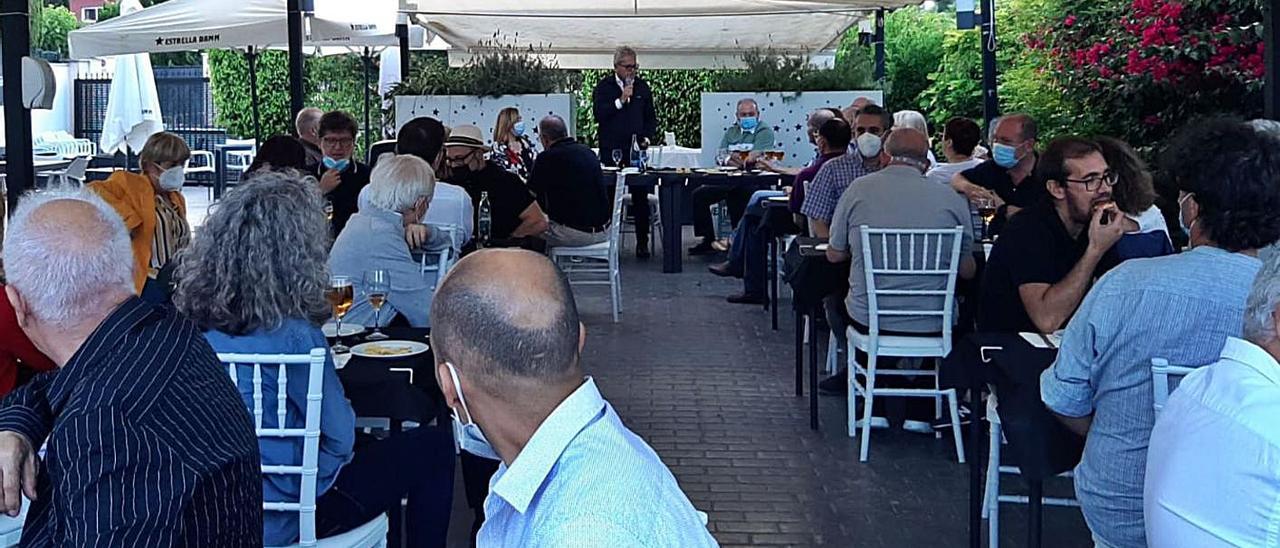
(484, 225)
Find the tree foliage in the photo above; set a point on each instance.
(913, 50)
(331, 83)
(54, 23)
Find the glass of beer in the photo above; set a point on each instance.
(742, 156)
(376, 286)
(340, 295)
(775, 155)
(986, 210)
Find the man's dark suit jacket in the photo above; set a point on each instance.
(617, 126)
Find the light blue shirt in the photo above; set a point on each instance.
(585, 480)
(337, 420)
(1179, 307)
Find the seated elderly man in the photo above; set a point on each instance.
(746, 135)
(451, 205)
(385, 235)
(508, 352)
(566, 183)
(1182, 308)
(1213, 466)
(148, 444)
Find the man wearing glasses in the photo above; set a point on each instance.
(341, 176)
(1045, 259)
(1009, 178)
(623, 107)
(1182, 308)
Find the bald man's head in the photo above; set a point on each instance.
(307, 124)
(67, 254)
(503, 314)
(908, 143)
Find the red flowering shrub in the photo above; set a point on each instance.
(1146, 66)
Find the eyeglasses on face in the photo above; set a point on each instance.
(1110, 178)
(337, 141)
(630, 66)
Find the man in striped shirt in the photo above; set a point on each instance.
(148, 442)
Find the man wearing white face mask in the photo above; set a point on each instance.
(823, 193)
(153, 209)
(1009, 178)
(508, 343)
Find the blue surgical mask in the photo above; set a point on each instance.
(748, 122)
(1181, 223)
(470, 438)
(1005, 156)
(518, 129)
(340, 165)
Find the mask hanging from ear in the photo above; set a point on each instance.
(470, 438)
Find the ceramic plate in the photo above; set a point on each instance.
(389, 349)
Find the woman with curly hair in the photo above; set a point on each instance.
(254, 281)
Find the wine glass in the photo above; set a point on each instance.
(340, 294)
(722, 156)
(376, 286)
(987, 210)
(617, 157)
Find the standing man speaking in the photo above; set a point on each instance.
(623, 107)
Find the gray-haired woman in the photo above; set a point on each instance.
(254, 281)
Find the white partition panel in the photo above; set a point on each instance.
(455, 110)
(786, 112)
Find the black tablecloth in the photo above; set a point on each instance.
(811, 276)
(381, 387)
(1038, 442)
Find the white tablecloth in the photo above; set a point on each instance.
(673, 157)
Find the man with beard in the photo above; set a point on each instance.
(1044, 262)
(1182, 308)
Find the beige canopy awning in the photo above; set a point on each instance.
(668, 34)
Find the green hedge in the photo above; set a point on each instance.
(332, 83)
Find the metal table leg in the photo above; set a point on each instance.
(1035, 492)
(773, 279)
(799, 353)
(669, 192)
(975, 465)
(813, 366)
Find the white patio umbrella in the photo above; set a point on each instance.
(133, 107)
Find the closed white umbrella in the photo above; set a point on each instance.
(133, 107)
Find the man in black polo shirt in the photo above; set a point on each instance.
(1044, 262)
(1009, 178)
(514, 213)
(341, 176)
(566, 183)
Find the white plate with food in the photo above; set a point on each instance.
(389, 349)
(330, 329)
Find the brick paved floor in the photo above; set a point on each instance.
(710, 386)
